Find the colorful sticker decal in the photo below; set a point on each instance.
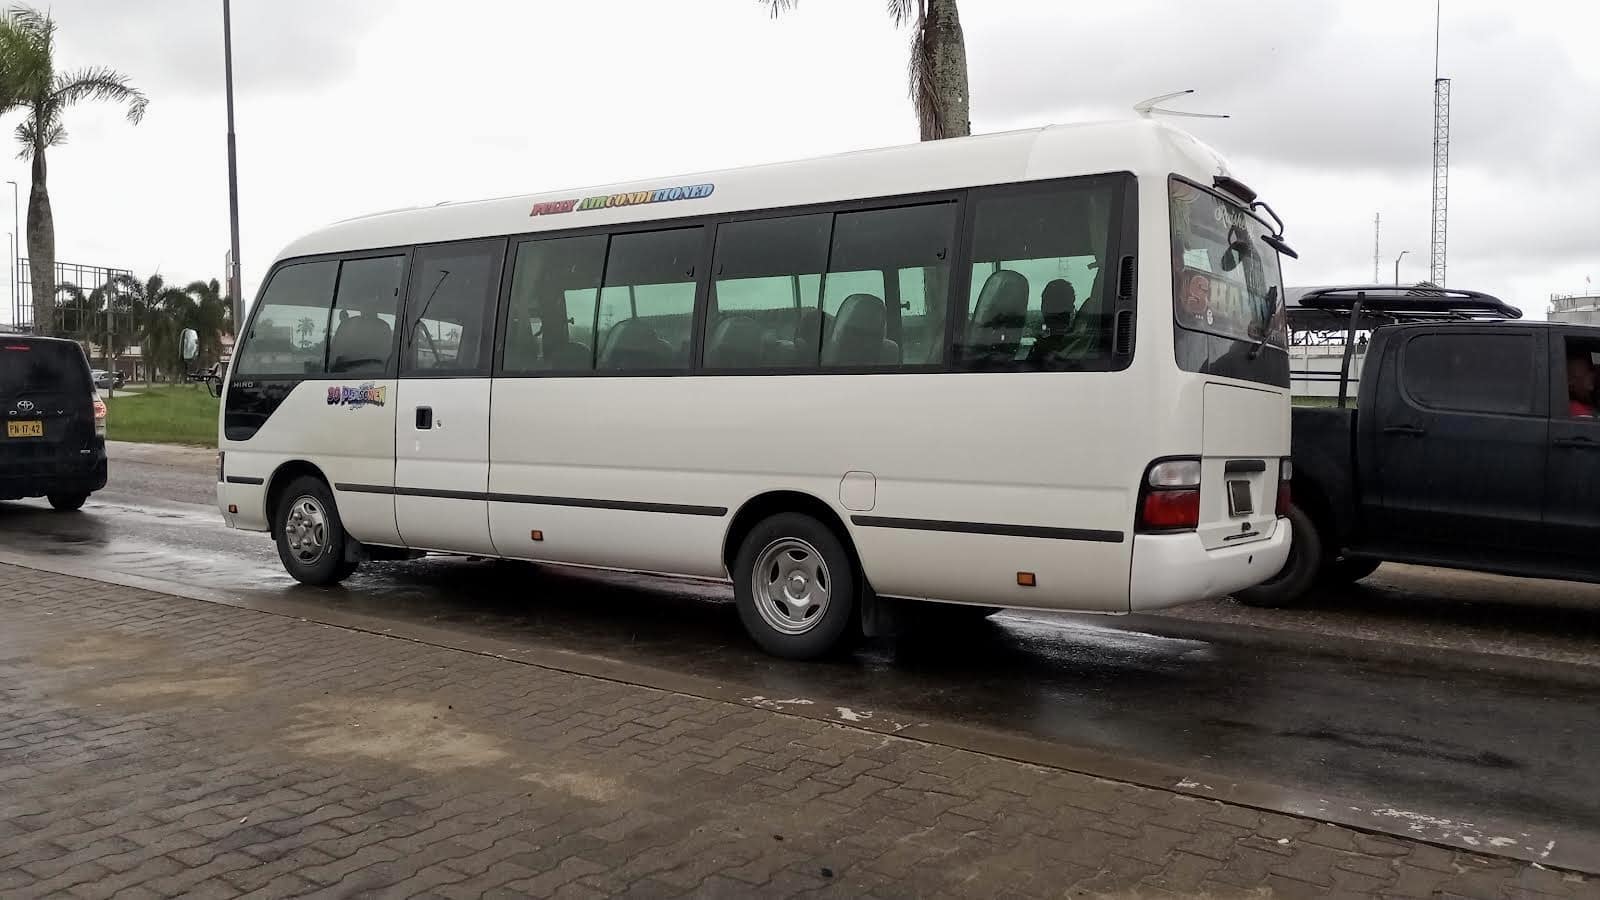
(607, 201)
(367, 394)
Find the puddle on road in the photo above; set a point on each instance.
(100, 648)
(413, 733)
(165, 687)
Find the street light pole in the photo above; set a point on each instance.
(1397, 265)
(233, 173)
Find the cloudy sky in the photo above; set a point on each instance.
(352, 106)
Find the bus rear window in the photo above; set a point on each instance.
(36, 367)
(1226, 280)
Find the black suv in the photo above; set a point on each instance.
(54, 441)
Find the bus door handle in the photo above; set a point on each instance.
(424, 418)
(1406, 430)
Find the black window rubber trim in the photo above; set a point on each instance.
(681, 509)
(1031, 531)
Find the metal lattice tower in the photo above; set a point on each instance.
(1375, 273)
(1441, 178)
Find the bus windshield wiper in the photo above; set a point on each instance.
(1266, 330)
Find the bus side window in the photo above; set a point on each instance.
(362, 339)
(866, 245)
(766, 284)
(1037, 293)
(449, 308)
(554, 287)
(646, 310)
(289, 335)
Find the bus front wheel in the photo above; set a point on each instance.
(311, 539)
(796, 586)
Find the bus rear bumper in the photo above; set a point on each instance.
(1169, 569)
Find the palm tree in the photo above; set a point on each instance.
(28, 79)
(102, 318)
(157, 309)
(210, 314)
(937, 70)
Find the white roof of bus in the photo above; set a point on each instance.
(1140, 146)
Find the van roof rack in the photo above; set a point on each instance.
(1387, 303)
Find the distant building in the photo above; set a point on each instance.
(1576, 309)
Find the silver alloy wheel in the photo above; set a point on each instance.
(306, 529)
(791, 585)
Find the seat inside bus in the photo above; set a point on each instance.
(999, 317)
(859, 336)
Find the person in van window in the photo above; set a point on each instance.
(1580, 386)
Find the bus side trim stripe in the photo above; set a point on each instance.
(1030, 531)
(681, 509)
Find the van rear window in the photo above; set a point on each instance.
(28, 367)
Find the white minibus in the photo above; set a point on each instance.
(1042, 369)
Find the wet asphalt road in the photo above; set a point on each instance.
(1408, 737)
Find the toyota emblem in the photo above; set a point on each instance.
(25, 405)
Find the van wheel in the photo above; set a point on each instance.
(1305, 563)
(311, 539)
(67, 502)
(796, 586)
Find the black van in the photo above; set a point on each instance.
(54, 441)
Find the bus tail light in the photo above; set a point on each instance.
(1285, 482)
(1169, 500)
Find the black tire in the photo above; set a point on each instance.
(1349, 571)
(1306, 562)
(834, 620)
(328, 564)
(68, 502)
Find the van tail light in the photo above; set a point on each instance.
(1169, 499)
(1285, 483)
(99, 416)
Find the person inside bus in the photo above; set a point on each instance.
(1580, 385)
(1056, 305)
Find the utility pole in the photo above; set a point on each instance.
(1397, 265)
(233, 175)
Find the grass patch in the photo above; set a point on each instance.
(175, 414)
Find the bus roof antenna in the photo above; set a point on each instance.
(1147, 108)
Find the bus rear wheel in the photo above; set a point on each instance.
(796, 586)
(311, 539)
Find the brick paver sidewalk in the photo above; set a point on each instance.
(152, 745)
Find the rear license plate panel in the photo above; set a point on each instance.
(26, 429)
(1239, 503)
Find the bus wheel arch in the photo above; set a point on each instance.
(279, 482)
(771, 503)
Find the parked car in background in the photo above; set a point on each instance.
(53, 444)
(104, 379)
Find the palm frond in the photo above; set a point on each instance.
(54, 136)
(777, 7)
(98, 83)
(903, 11)
(27, 48)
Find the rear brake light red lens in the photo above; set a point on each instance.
(1171, 509)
